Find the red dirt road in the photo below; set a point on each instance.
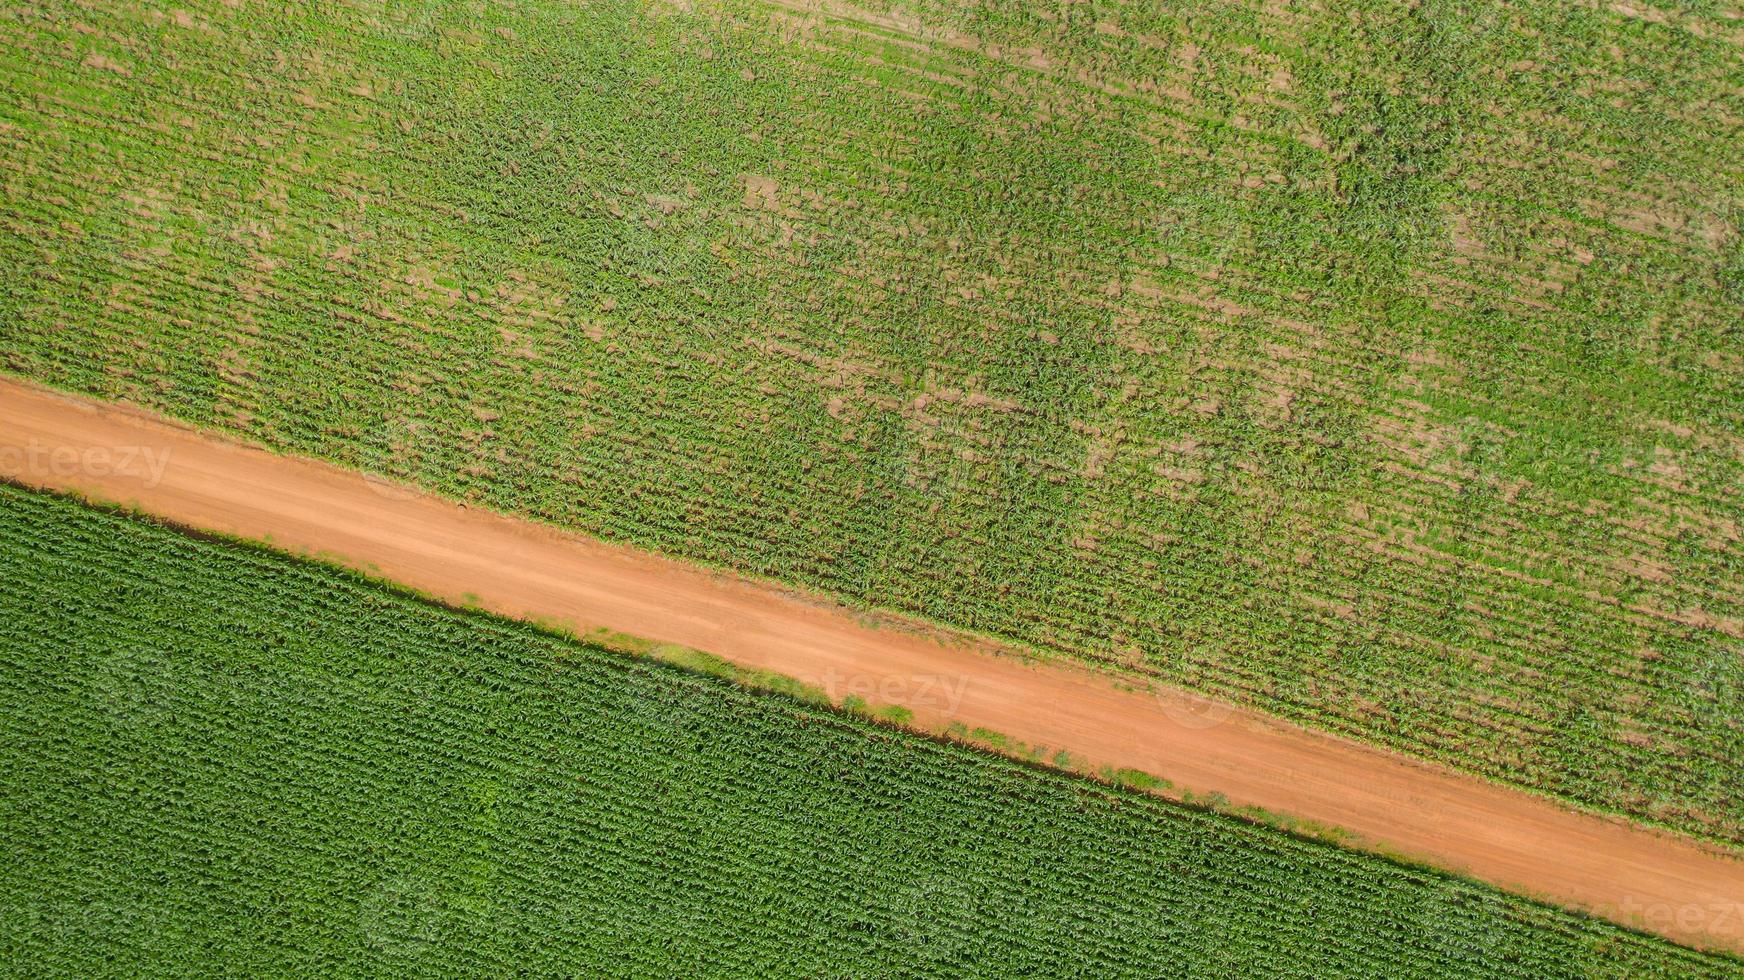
(1652, 880)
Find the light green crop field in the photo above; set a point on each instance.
(1375, 364)
(226, 761)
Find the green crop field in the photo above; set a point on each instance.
(1376, 364)
(231, 762)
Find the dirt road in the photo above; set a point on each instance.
(1520, 842)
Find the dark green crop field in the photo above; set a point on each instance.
(1376, 364)
(223, 761)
